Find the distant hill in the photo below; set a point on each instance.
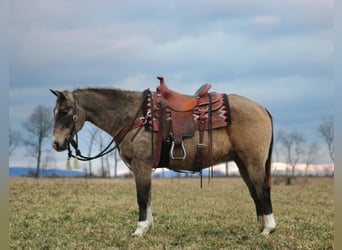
(28, 171)
(278, 169)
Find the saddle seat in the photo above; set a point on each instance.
(179, 102)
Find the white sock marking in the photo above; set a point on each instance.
(270, 224)
(144, 226)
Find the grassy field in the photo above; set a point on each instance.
(101, 214)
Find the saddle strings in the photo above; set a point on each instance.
(210, 149)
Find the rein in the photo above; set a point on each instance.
(117, 139)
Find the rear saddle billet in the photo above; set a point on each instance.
(175, 116)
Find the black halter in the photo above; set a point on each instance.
(110, 148)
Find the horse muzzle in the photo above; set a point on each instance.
(59, 146)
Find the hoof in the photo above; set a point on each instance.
(143, 228)
(267, 231)
(270, 224)
(137, 235)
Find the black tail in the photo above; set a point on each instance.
(268, 163)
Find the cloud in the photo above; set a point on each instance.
(266, 20)
(64, 42)
(105, 49)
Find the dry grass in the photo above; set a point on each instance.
(101, 214)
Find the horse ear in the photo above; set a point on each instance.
(56, 92)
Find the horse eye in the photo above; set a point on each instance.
(63, 112)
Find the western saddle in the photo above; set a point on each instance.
(175, 116)
(179, 102)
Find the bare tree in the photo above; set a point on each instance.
(38, 126)
(108, 164)
(93, 132)
(48, 160)
(99, 138)
(292, 142)
(102, 139)
(277, 143)
(116, 160)
(326, 130)
(310, 156)
(14, 140)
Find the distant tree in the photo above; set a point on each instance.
(101, 140)
(38, 126)
(293, 143)
(93, 132)
(326, 130)
(46, 162)
(310, 155)
(14, 140)
(277, 144)
(116, 160)
(108, 163)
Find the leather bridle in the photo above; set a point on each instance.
(117, 139)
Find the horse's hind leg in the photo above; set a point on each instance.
(142, 177)
(266, 218)
(260, 191)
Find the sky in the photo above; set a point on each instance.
(278, 53)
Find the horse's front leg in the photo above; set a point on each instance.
(143, 186)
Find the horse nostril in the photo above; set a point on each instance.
(55, 145)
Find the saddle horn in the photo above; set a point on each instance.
(163, 89)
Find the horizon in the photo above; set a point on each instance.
(278, 169)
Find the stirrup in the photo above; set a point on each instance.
(171, 152)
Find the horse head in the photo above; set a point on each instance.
(69, 118)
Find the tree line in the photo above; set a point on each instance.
(38, 126)
(297, 150)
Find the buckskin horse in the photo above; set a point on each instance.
(246, 137)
